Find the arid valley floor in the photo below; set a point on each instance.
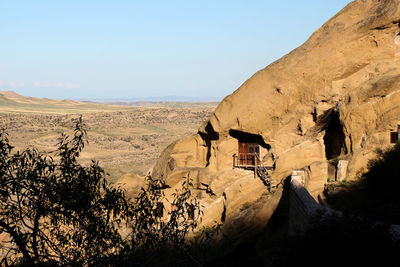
(125, 139)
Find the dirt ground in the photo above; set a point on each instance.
(125, 142)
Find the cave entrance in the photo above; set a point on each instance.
(250, 147)
(208, 136)
(394, 135)
(334, 138)
(249, 154)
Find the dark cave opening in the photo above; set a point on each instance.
(208, 137)
(244, 137)
(334, 138)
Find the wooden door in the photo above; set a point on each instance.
(243, 151)
(249, 154)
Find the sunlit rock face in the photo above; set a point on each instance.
(335, 97)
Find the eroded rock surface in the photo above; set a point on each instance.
(335, 97)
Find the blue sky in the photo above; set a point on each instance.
(122, 49)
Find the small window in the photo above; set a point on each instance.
(254, 148)
(394, 137)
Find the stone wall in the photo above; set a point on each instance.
(302, 207)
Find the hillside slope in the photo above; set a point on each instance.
(335, 97)
(125, 139)
(11, 102)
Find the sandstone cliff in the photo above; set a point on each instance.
(335, 97)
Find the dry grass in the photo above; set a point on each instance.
(125, 139)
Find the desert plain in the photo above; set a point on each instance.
(126, 139)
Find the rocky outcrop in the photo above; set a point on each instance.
(335, 97)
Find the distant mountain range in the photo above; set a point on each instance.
(124, 101)
(13, 102)
(155, 99)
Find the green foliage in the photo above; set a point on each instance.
(57, 211)
(205, 236)
(152, 235)
(245, 206)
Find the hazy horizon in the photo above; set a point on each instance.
(142, 50)
(171, 98)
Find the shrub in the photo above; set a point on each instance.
(59, 212)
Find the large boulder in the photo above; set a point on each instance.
(335, 97)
